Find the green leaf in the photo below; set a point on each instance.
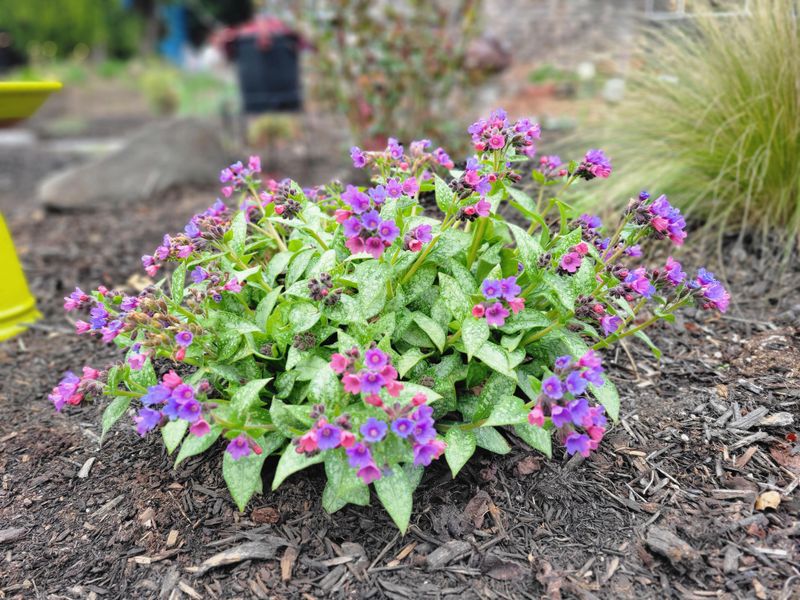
(395, 493)
(461, 446)
(264, 308)
(495, 357)
(325, 387)
(173, 433)
(563, 289)
(584, 281)
(445, 198)
(297, 266)
(113, 412)
(303, 316)
(343, 486)
(432, 329)
(494, 390)
(231, 322)
(243, 476)
(292, 461)
(528, 247)
(178, 279)
(371, 276)
(492, 440)
(239, 229)
(454, 298)
(608, 396)
(646, 339)
(474, 332)
(194, 445)
(289, 418)
(276, 266)
(510, 410)
(408, 360)
(535, 437)
(526, 320)
(145, 376)
(246, 397)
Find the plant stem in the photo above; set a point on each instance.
(538, 334)
(477, 238)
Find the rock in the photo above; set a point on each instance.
(157, 158)
(87, 466)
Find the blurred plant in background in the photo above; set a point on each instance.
(714, 116)
(43, 33)
(394, 67)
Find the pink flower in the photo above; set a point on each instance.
(90, 373)
(410, 186)
(369, 474)
(419, 399)
(254, 164)
(355, 245)
(496, 314)
(393, 388)
(478, 311)
(347, 439)
(136, 361)
(233, 286)
(374, 400)
(536, 416)
(227, 191)
(570, 262)
(483, 208)
(199, 428)
(342, 215)
(82, 327)
(374, 247)
(339, 363)
(171, 380)
(582, 248)
(516, 304)
(497, 141)
(307, 442)
(352, 384)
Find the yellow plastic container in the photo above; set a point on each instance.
(17, 305)
(20, 99)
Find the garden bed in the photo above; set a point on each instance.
(78, 520)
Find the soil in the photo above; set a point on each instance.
(664, 509)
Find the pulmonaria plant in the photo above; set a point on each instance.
(342, 326)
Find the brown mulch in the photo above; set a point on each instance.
(664, 509)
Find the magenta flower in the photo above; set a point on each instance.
(371, 382)
(483, 208)
(496, 314)
(595, 164)
(183, 393)
(339, 363)
(410, 186)
(577, 442)
(536, 416)
(509, 288)
(403, 427)
(359, 159)
(552, 387)
(369, 473)
(375, 359)
(356, 245)
(424, 454)
(351, 383)
(191, 410)
(394, 188)
(238, 447)
(570, 262)
(358, 200)
(374, 246)
(496, 142)
(675, 274)
(423, 233)
(199, 428)
(184, 339)
(351, 227)
(610, 323)
(373, 430)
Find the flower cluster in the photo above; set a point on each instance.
(562, 400)
(173, 399)
(417, 237)
(363, 226)
(494, 133)
(709, 291)
(496, 292)
(571, 261)
(551, 166)
(375, 374)
(587, 308)
(594, 164)
(394, 154)
(666, 220)
(237, 176)
(72, 389)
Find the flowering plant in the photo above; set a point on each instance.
(346, 327)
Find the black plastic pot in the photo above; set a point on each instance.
(269, 74)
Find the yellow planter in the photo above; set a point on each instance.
(17, 305)
(20, 99)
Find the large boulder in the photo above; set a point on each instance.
(159, 157)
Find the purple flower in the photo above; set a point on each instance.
(403, 427)
(491, 288)
(136, 361)
(129, 303)
(423, 413)
(184, 339)
(198, 274)
(328, 437)
(375, 359)
(371, 382)
(610, 323)
(146, 420)
(563, 362)
(423, 233)
(66, 389)
(570, 262)
(99, 317)
(578, 410)
(560, 415)
(388, 231)
(358, 201)
(675, 274)
(183, 393)
(373, 430)
(369, 473)
(425, 453)
(191, 410)
(371, 220)
(410, 186)
(509, 288)
(238, 447)
(352, 227)
(378, 195)
(359, 159)
(424, 431)
(577, 442)
(638, 282)
(395, 149)
(359, 456)
(394, 188)
(575, 384)
(156, 394)
(496, 314)
(552, 387)
(595, 164)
